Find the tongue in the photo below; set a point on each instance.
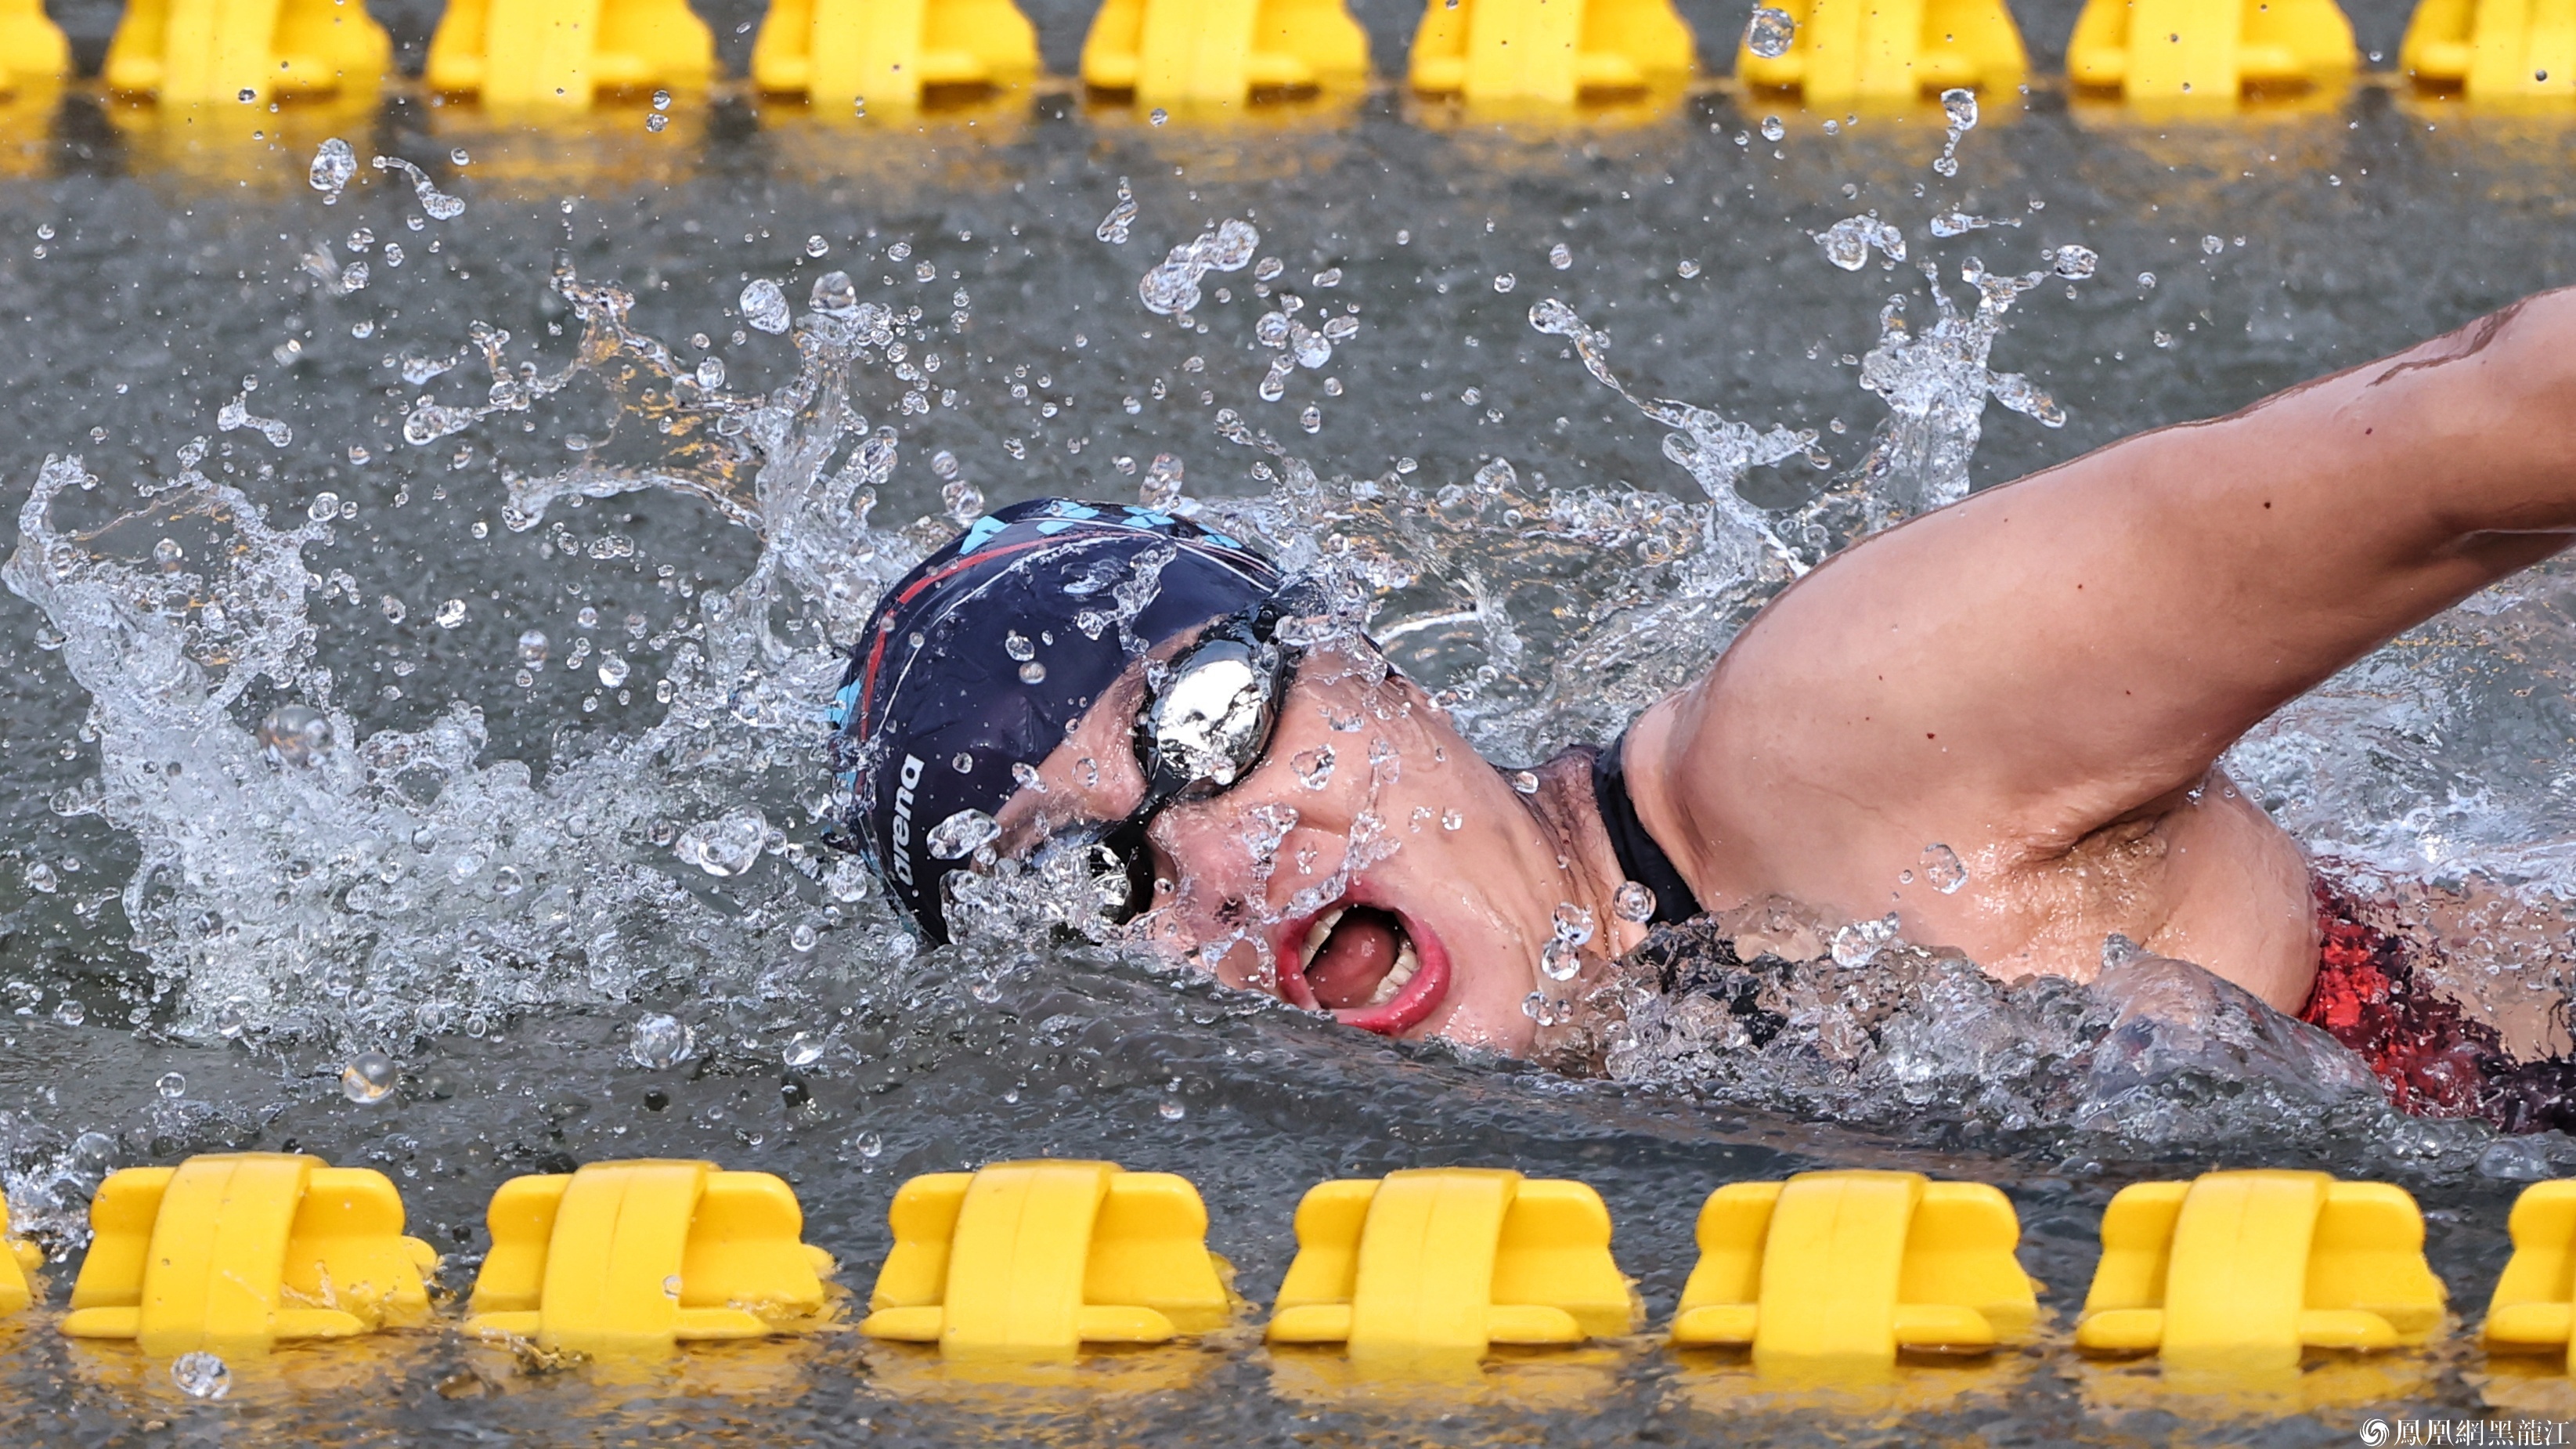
(1355, 958)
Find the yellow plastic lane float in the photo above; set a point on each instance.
(234, 1253)
(562, 55)
(2493, 50)
(841, 54)
(1881, 52)
(1449, 1262)
(18, 1264)
(634, 1257)
(1191, 54)
(1036, 1259)
(223, 52)
(2534, 1307)
(33, 52)
(1847, 1268)
(2206, 53)
(2244, 1271)
(1548, 52)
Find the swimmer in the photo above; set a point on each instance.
(2000, 721)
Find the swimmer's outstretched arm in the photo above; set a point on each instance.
(2042, 676)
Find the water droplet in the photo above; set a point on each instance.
(815, 246)
(1560, 256)
(1172, 1111)
(1942, 869)
(1114, 227)
(2073, 262)
(724, 847)
(659, 1043)
(1859, 943)
(232, 1018)
(1572, 924)
(1770, 32)
(1847, 242)
(41, 878)
(764, 306)
(1687, 269)
(834, 292)
(1525, 782)
(334, 166)
(1961, 107)
(450, 614)
(803, 1049)
(613, 670)
(1314, 767)
(868, 1144)
(246, 95)
(1017, 645)
(1505, 281)
(458, 157)
(369, 1077)
(1161, 485)
(925, 271)
(1158, 116)
(661, 100)
(71, 1013)
(533, 648)
(1772, 130)
(2212, 245)
(963, 834)
(1032, 673)
(1560, 962)
(296, 734)
(1451, 819)
(172, 1085)
(438, 205)
(711, 373)
(201, 1375)
(1634, 903)
(656, 122)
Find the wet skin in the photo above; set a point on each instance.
(2040, 678)
(1476, 902)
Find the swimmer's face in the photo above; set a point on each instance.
(1402, 886)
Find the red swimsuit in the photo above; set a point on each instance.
(2436, 1061)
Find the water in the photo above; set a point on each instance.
(425, 895)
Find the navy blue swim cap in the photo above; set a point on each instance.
(991, 649)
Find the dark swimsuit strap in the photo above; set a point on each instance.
(1640, 858)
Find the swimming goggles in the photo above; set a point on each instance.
(1207, 722)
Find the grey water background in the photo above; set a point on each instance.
(2364, 228)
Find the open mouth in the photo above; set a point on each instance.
(1369, 967)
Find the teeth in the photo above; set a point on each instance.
(1317, 934)
(1407, 962)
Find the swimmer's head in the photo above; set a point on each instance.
(1290, 814)
(978, 663)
